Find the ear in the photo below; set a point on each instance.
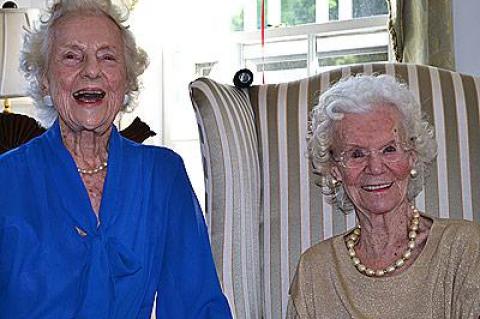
(335, 171)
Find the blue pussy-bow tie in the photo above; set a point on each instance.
(107, 263)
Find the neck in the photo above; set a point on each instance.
(384, 233)
(88, 148)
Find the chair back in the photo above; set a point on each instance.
(263, 206)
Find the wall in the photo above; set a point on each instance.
(467, 40)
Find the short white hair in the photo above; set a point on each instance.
(37, 45)
(359, 94)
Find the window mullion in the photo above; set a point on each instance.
(274, 12)
(322, 11)
(345, 9)
(250, 15)
(312, 55)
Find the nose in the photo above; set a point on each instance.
(91, 68)
(375, 164)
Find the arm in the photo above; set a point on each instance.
(466, 277)
(297, 300)
(188, 285)
(291, 311)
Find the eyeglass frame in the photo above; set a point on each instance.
(405, 147)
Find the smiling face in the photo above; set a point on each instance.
(376, 187)
(86, 73)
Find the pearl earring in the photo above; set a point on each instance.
(47, 100)
(413, 173)
(335, 183)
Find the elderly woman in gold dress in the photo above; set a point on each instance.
(371, 147)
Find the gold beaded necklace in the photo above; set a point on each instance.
(353, 238)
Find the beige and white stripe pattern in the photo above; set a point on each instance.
(232, 180)
(292, 214)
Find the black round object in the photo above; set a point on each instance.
(243, 78)
(9, 5)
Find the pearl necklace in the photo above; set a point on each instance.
(92, 171)
(354, 237)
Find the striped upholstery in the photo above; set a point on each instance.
(232, 183)
(293, 215)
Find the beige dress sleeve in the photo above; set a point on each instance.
(464, 275)
(297, 304)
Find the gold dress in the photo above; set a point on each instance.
(443, 282)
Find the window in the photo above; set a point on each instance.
(304, 37)
(215, 38)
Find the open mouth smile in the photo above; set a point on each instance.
(89, 96)
(378, 187)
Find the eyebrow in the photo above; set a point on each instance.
(78, 46)
(74, 46)
(392, 141)
(107, 47)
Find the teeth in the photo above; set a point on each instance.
(375, 187)
(80, 93)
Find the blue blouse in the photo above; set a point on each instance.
(55, 262)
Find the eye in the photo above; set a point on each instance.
(109, 57)
(390, 149)
(356, 153)
(71, 57)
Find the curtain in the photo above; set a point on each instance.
(421, 32)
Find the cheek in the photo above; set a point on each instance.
(60, 83)
(60, 91)
(401, 170)
(117, 80)
(351, 176)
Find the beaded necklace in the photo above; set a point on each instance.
(92, 171)
(353, 238)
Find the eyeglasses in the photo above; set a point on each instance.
(357, 156)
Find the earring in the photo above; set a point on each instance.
(413, 173)
(48, 101)
(335, 183)
(126, 100)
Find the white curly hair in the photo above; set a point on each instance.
(359, 94)
(38, 41)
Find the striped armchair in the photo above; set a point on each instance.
(262, 205)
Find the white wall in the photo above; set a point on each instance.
(466, 35)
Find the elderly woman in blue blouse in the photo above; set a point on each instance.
(371, 147)
(93, 225)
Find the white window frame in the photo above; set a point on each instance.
(312, 32)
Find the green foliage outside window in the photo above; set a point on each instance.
(238, 21)
(368, 8)
(296, 12)
(333, 10)
(352, 59)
